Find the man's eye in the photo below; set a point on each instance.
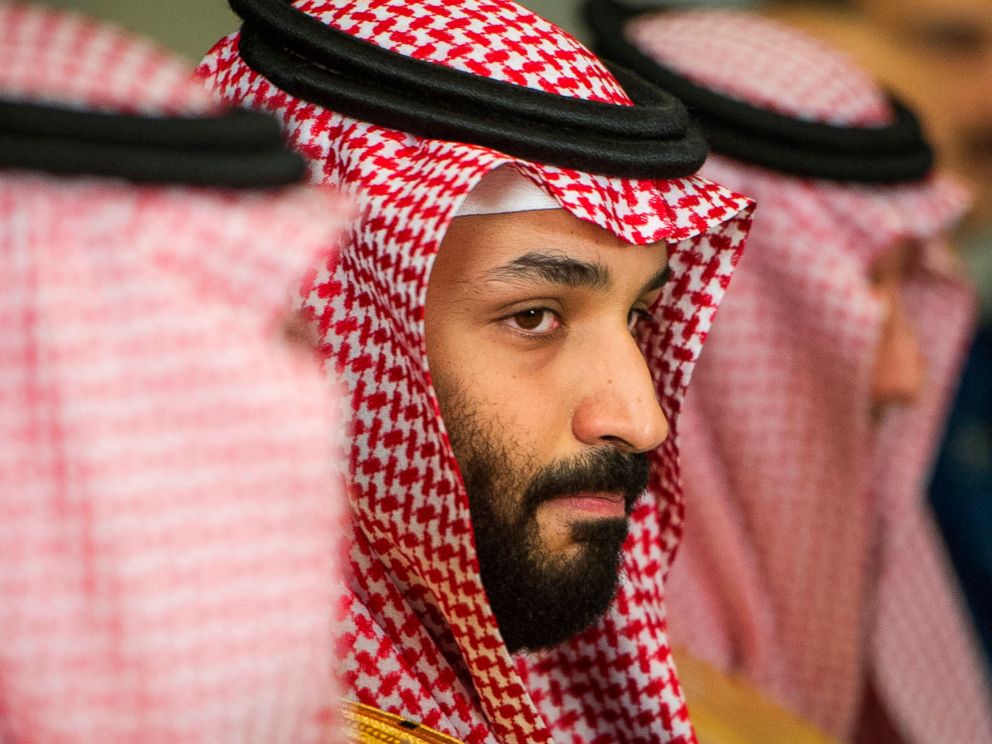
(534, 321)
(953, 36)
(300, 333)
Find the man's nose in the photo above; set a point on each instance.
(619, 406)
(900, 367)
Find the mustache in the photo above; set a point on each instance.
(603, 470)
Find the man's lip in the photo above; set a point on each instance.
(599, 503)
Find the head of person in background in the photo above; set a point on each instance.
(516, 314)
(938, 56)
(815, 411)
(169, 517)
(938, 53)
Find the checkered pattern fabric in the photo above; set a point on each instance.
(70, 60)
(169, 521)
(423, 642)
(841, 94)
(810, 560)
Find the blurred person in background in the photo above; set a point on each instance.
(811, 567)
(516, 314)
(169, 519)
(938, 55)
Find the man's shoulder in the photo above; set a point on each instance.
(726, 708)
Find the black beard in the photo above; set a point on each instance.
(540, 600)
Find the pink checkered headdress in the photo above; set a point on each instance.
(811, 563)
(168, 508)
(423, 642)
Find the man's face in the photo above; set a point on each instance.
(899, 374)
(531, 320)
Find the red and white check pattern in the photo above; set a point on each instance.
(810, 559)
(68, 59)
(423, 640)
(169, 520)
(705, 44)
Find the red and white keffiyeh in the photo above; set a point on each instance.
(811, 561)
(168, 511)
(423, 641)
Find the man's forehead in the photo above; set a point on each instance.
(515, 233)
(966, 16)
(550, 245)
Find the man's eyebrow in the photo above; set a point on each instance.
(555, 268)
(658, 280)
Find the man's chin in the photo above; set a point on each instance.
(566, 538)
(547, 599)
(595, 533)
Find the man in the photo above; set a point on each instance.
(939, 56)
(168, 509)
(515, 314)
(811, 567)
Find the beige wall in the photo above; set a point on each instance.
(192, 26)
(189, 26)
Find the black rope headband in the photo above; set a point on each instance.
(755, 135)
(236, 149)
(323, 65)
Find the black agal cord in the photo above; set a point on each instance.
(318, 63)
(755, 135)
(236, 149)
